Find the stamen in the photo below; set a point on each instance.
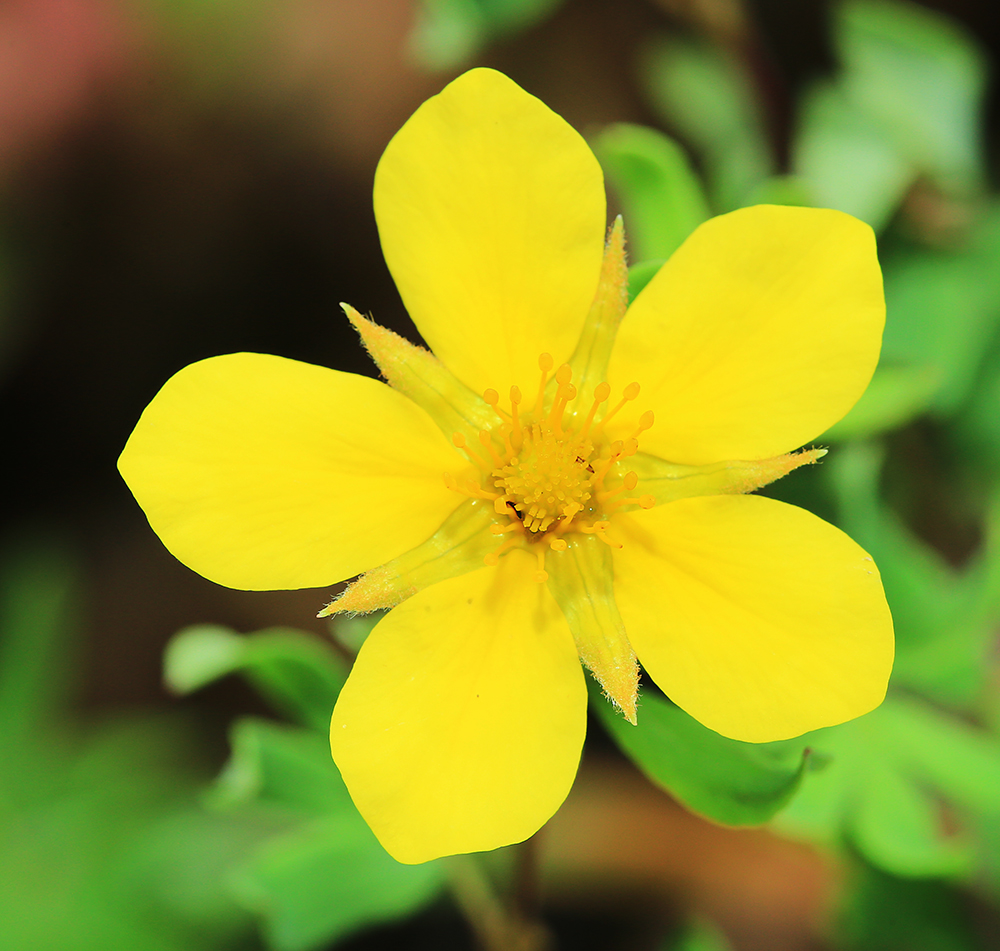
(493, 557)
(545, 362)
(564, 394)
(459, 441)
(630, 393)
(645, 422)
(541, 575)
(601, 393)
(515, 400)
(492, 398)
(487, 441)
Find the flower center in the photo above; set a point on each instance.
(547, 477)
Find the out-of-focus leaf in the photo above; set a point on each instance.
(448, 33)
(639, 275)
(703, 96)
(330, 877)
(918, 75)
(699, 936)
(944, 619)
(295, 671)
(662, 200)
(885, 913)
(942, 312)
(282, 766)
(37, 582)
(896, 826)
(887, 775)
(895, 396)
(352, 632)
(847, 159)
(782, 190)
(731, 782)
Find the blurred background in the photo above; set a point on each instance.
(184, 178)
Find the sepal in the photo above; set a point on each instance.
(580, 579)
(669, 481)
(460, 545)
(418, 374)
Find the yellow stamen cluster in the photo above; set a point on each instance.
(548, 477)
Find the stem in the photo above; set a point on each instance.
(495, 926)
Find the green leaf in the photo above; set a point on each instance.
(448, 33)
(726, 780)
(898, 827)
(639, 275)
(943, 619)
(699, 936)
(282, 766)
(37, 587)
(921, 78)
(701, 93)
(942, 311)
(295, 671)
(846, 159)
(896, 396)
(329, 878)
(662, 200)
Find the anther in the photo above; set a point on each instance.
(558, 544)
(515, 401)
(645, 422)
(541, 575)
(459, 441)
(601, 393)
(630, 393)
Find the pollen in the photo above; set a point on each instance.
(549, 472)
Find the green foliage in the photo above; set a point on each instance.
(731, 782)
(448, 33)
(704, 97)
(905, 103)
(944, 618)
(884, 781)
(662, 199)
(295, 672)
(90, 855)
(325, 874)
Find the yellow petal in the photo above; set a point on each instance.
(759, 333)
(757, 618)
(491, 212)
(260, 472)
(461, 725)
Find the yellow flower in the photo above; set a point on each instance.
(533, 495)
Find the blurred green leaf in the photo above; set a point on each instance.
(943, 311)
(328, 878)
(918, 75)
(283, 766)
(944, 619)
(703, 95)
(847, 159)
(328, 874)
(731, 782)
(885, 913)
(639, 275)
(896, 396)
(37, 585)
(699, 936)
(300, 675)
(887, 778)
(448, 33)
(662, 200)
